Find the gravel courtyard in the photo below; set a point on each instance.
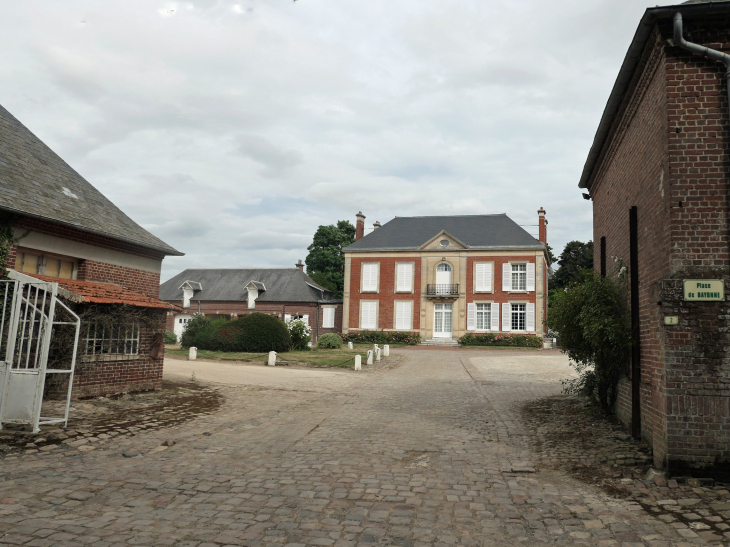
(430, 450)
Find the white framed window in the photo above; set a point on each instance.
(114, 340)
(403, 314)
(404, 277)
(484, 316)
(483, 276)
(368, 315)
(518, 317)
(519, 277)
(328, 318)
(370, 271)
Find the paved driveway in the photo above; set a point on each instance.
(428, 453)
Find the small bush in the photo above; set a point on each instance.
(192, 328)
(382, 337)
(330, 341)
(493, 339)
(170, 337)
(301, 334)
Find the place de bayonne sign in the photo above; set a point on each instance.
(704, 290)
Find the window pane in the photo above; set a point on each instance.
(53, 267)
(66, 270)
(29, 263)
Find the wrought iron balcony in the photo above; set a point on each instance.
(442, 291)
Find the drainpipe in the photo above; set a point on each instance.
(701, 50)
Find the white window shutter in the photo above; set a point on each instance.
(530, 276)
(399, 315)
(479, 275)
(407, 315)
(328, 318)
(495, 317)
(471, 316)
(408, 277)
(488, 277)
(400, 279)
(506, 317)
(530, 317)
(287, 317)
(368, 319)
(305, 318)
(507, 277)
(369, 277)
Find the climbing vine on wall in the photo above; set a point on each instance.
(7, 240)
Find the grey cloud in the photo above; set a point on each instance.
(276, 161)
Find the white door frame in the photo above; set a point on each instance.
(444, 313)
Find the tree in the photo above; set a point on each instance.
(591, 317)
(550, 254)
(574, 260)
(326, 259)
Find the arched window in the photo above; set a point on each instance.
(443, 279)
(443, 268)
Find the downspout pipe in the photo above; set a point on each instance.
(701, 50)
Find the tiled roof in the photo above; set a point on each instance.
(35, 181)
(474, 231)
(93, 292)
(220, 284)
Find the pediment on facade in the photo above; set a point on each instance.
(437, 243)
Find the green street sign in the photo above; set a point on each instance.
(704, 290)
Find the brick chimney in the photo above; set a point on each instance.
(360, 226)
(376, 225)
(543, 225)
(299, 264)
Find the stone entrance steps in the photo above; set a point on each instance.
(440, 342)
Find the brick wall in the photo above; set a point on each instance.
(109, 377)
(667, 154)
(498, 296)
(137, 280)
(386, 296)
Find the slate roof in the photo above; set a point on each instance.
(105, 293)
(282, 285)
(36, 182)
(474, 231)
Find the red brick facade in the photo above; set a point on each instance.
(386, 296)
(105, 377)
(667, 154)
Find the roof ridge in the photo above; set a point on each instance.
(449, 216)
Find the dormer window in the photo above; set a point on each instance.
(190, 289)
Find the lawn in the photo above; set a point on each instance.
(341, 358)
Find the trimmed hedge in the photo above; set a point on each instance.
(383, 337)
(252, 333)
(330, 341)
(491, 339)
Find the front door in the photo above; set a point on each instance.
(442, 320)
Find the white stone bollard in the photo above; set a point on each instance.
(358, 362)
(377, 355)
(193, 354)
(272, 359)
(350, 346)
(370, 357)
(386, 350)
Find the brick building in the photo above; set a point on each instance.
(284, 292)
(443, 276)
(658, 177)
(67, 232)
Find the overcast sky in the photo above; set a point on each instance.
(233, 129)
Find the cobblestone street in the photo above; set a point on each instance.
(429, 452)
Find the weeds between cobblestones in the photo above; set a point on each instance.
(570, 436)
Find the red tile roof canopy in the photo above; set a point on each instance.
(93, 292)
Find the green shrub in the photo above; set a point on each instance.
(301, 334)
(592, 320)
(170, 337)
(330, 341)
(493, 339)
(198, 323)
(382, 337)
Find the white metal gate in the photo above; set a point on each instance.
(31, 315)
